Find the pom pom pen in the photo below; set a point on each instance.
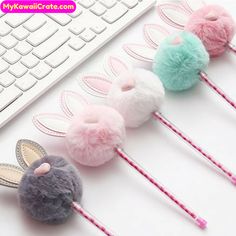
(179, 60)
(211, 23)
(49, 188)
(94, 134)
(137, 95)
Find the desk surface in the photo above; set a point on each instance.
(115, 193)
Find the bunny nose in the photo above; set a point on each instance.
(130, 84)
(42, 169)
(212, 16)
(177, 40)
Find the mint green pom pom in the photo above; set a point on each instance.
(178, 65)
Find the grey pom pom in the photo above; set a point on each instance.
(48, 198)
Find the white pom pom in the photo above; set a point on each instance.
(137, 102)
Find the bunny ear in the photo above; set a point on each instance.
(10, 175)
(174, 15)
(193, 5)
(115, 66)
(154, 34)
(95, 84)
(28, 152)
(52, 124)
(140, 52)
(72, 103)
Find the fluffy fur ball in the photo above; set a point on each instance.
(137, 103)
(214, 26)
(48, 198)
(94, 134)
(178, 65)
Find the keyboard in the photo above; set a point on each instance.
(37, 50)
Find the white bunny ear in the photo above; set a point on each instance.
(193, 5)
(10, 175)
(140, 52)
(72, 103)
(173, 14)
(154, 34)
(114, 66)
(52, 124)
(95, 84)
(28, 152)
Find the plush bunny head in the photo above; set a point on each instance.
(91, 132)
(47, 185)
(134, 93)
(177, 58)
(211, 23)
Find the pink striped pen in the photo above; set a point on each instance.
(232, 47)
(217, 164)
(215, 88)
(76, 206)
(198, 220)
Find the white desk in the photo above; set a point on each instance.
(118, 196)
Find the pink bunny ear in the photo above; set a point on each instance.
(115, 66)
(52, 124)
(154, 34)
(173, 14)
(193, 5)
(72, 103)
(140, 52)
(95, 84)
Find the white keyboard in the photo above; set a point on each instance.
(36, 51)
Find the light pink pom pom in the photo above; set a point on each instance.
(94, 134)
(214, 26)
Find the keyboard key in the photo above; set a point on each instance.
(130, 3)
(86, 3)
(76, 44)
(11, 57)
(20, 33)
(26, 82)
(98, 28)
(4, 29)
(8, 42)
(76, 29)
(40, 71)
(42, 35)
(35, 22)
(18, 70)
(7, 79)
(3, 66)
(108, 3)
(87, 35)
(61, 19)
(115, 14)
(14, 20)
(30, 61)
(8, 96)
(57, 58)
(50, 45)
(2, 50)
(23, 48)
(76, 13)
(98, 9)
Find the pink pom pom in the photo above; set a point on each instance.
(94, 134)
(214, 26)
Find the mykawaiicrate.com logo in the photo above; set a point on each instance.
(38, 6)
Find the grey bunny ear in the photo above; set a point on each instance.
(28, 152)
(10, 175)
